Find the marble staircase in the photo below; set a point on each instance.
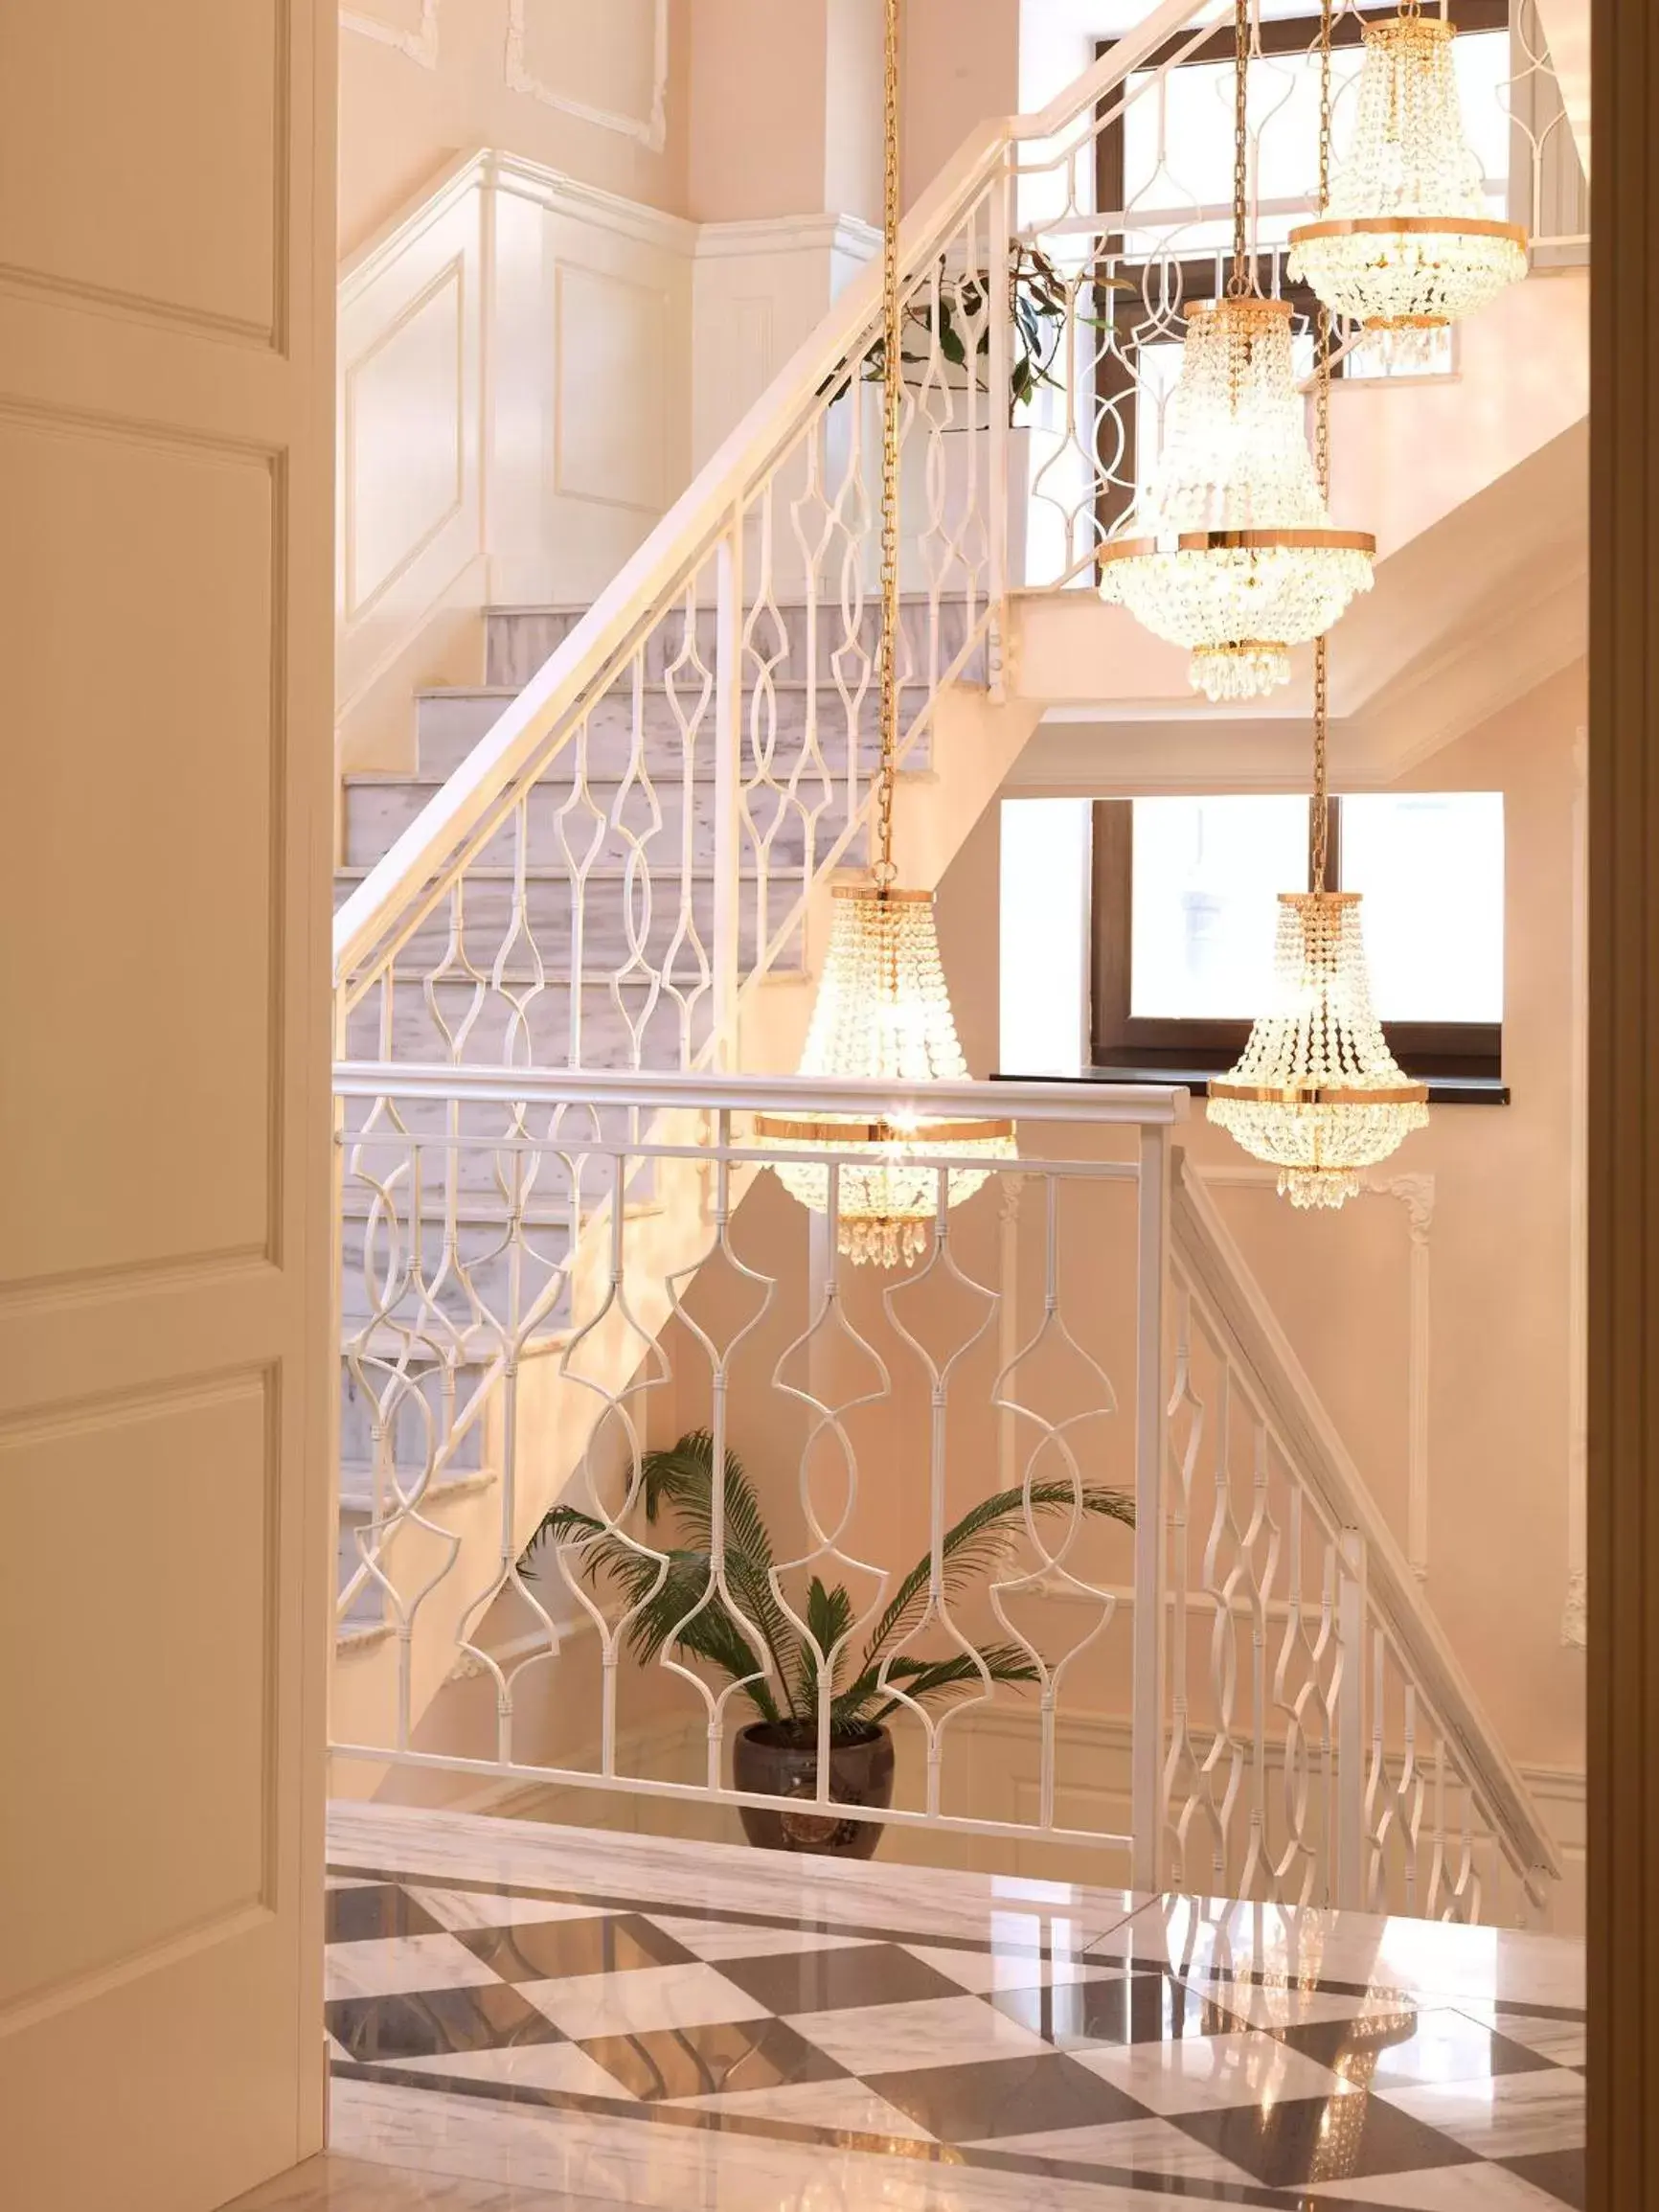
(620, 849)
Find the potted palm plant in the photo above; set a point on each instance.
(777, 1753)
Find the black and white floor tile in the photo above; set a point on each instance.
(1076, 2060)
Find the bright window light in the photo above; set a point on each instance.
(1046, 848)
(1207, 877)
(1431, 866)
(1178, 138)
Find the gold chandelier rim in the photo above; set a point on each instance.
(1318, 1094)
(925, 1136)
(1474, 226)
(1381, 31)
(1246, 307)
(882, 894)
(1311, 900)
(1266, 540)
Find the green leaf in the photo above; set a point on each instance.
(828, 1617)
(683, 1477)
(980, 1540)
(921, 1679)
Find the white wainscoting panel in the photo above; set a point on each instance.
(611, 428)
(529, 370)
(515, 416)
(762, 289)
(410, 381)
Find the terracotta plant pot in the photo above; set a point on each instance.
(783, 1761)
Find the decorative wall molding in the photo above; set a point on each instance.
(561, 195)
(419, 46)
(1416, 1192)
(650, 131)
(791, 234)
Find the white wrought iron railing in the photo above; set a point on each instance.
(1241, 1694)
(1325, 1744)
(600, 885)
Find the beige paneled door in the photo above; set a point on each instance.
(167, 286)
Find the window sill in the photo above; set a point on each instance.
(1473, 1090)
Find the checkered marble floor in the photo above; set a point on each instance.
(1026, 2055)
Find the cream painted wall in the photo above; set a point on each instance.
(961, 60)
(599, 92)
(785, 109)
(756, 139)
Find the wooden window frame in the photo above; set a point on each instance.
(1124, 1044)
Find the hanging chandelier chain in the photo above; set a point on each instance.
(1324, 341)
(1243, 280)
(891, 394)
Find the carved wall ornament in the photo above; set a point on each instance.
(650, 129)
(421, 45)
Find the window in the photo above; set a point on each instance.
(1185, 915)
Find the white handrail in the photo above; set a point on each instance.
(1149, 1106)
(1202, 1245)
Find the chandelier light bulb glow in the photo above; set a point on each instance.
(1403, 245)
(1318, 1094)
(882, 1015)
(1231, 554)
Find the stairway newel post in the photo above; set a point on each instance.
(728, 784)
(999, 399)
(1349, 1854)
(1151, 1418)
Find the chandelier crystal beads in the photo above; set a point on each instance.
(1403, 245)
(1318, 1094)
(1230, 551)
(882, 1012)
(1234, 555)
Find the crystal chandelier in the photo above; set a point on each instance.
(882, 1014)
(1317, 1093)
(1230, 552)
(1403, 246)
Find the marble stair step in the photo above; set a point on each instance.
(413, 1430)
(357, 1487)
(787, 636)
(607, 825)
(534, 1029)
(449, 723)
(624, 917)
(470, 1288)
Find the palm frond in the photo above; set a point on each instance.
(683, 1477)
(828, 1617)
(923, 1679)
(664, 1597)
(982, 1539)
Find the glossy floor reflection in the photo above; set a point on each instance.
(620, 2021)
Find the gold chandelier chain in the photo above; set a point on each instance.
(892, 396)
(1242, 280)
(1324, 340)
